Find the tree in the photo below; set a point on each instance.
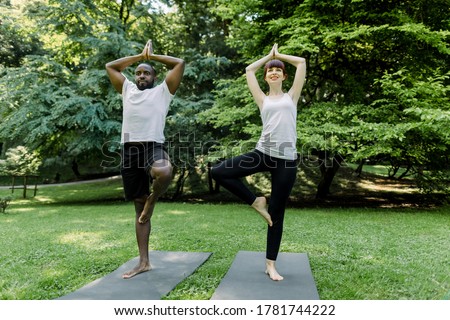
(201, 34)
(361, 101)
(420, 139)
(16, 41)
(20, 162)
(68, 109)
(351, 48)
(60, 102)
(189, 139)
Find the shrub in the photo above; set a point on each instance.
(4, 202)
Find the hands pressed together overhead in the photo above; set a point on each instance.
(274, 51)
(147, 53)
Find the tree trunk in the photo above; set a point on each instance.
(75, 169)
(180, 183)
(328, 173)
(214, 187)
(358, 170)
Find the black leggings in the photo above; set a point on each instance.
(283, 173)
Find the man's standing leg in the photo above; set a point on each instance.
(142, 237)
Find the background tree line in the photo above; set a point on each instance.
(376, 90)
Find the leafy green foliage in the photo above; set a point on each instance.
(16, 40)
(68, 107)
(188, 137)
(62, 103)
(50, 111)
(20, 162)
(376, 77)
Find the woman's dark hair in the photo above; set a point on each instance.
(274, 64)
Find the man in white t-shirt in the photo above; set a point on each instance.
(144, 156)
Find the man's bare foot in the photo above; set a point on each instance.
(136, 270)
(144, 217)
(271, 271)
(147, 212)
(259, 205)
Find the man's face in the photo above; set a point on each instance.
(144, 76)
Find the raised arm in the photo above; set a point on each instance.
(115, 68)
(173, 77)
(300, 73)
(176, 66)
(252, 82)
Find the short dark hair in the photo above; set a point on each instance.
(274, 63)
(151, 67)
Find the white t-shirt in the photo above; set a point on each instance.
(279, 135)
(144, 112)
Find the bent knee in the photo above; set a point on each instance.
(221, 172)
(162, 170)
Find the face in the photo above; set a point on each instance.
(275, 74)
(144, 76)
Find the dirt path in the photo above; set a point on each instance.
(31, 186)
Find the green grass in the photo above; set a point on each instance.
(380, 170)
(65, 238)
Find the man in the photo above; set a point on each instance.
(144, 157)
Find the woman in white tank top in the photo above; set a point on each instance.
(275, 151)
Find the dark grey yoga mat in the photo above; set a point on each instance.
(246, 279)
(168, 269)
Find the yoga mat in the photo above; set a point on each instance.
(168, 269)
(246, 279)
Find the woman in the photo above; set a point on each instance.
(275, 151)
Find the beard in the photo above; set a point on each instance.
(142, 85)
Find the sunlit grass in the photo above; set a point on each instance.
(69, 236)
(381, 170)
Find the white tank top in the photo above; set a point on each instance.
(144, 112)
(279, 135)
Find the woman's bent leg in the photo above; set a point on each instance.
(228, 174)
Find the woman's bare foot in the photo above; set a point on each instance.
(271, 271)
(140, 268)
(259, 205)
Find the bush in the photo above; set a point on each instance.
(20, 162)
(4, 202)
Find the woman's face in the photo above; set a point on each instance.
(274, 75)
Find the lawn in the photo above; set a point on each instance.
(65, 238)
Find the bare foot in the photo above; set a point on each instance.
(259, 205)
(136, 270)
(147, 212)
(144, 217)
(271, 271)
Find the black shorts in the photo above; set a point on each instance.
(137, 160)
